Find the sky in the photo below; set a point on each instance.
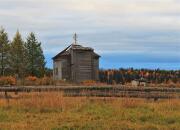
(126, 33)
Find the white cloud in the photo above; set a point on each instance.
(55, 21)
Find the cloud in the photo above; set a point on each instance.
(110, 26)
(77, 13)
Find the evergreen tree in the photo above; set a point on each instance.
(17, 56)
(4, 51)
(34, 56)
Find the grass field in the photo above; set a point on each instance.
(52, 111)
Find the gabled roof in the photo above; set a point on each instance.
(66, 51)
(96, 55)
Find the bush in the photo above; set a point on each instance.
(89, 82)
(45, 81)
(31, 80)
(9, 80)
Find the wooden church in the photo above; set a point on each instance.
(76, 63)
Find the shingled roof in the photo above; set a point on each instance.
(66, 51)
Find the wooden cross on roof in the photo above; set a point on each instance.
(75, 38)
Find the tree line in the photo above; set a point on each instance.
(20, 57)
(122, 76)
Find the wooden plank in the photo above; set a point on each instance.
(105, 91)
(84, 70)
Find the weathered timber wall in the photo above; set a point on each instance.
(83, 66)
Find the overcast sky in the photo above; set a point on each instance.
(125, 30)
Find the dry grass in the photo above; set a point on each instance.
(53, 111)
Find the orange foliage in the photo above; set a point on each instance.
(31, 78)
(89, 82)
(7, 80)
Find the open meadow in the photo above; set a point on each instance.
(52, 111)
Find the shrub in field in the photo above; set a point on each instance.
(93, 83)
(31, 80)
(89, 82)
(178, 85)
(45, 81)
(9, 80)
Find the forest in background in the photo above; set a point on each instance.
(24, 59)
(123, 76)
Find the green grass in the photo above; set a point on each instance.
(89, 114)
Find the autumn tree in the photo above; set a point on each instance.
(4, 51)
(17, 56)
(35, 57)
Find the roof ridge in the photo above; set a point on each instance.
(74, 47)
